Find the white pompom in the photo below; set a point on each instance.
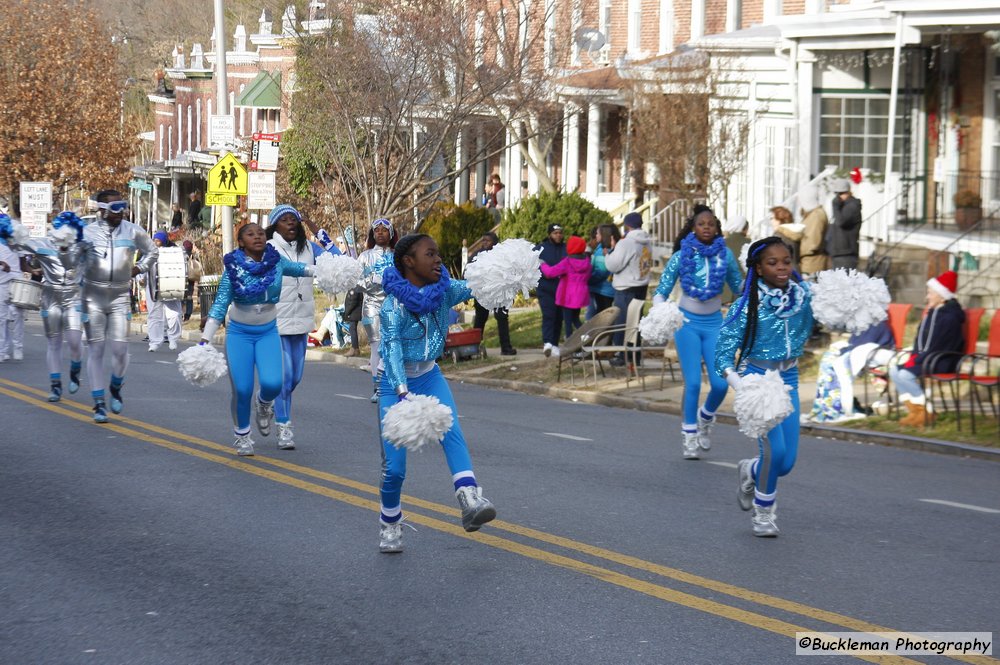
(416, 421)
(63, 237)
(761, 403)
(849, 300)
(20, 234)
(663, 320)
(202, 365)
(336, 273)
(499, 274)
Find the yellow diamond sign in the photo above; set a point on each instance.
(228, 177)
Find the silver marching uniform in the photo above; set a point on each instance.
(107, 276)
(61, 305)
(373, 261)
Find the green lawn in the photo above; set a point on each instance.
(525, 330)
(945, 429)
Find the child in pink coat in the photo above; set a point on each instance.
(573, 272)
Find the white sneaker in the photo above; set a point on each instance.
(690, 447)
(390, 537)
(153, 348)
(264, 415)
(18, 354)
(547, 349)
(285, 436)
(476, 508)
(244, 445)
(705, 431)
(555, 351)
(764, 521)
(172, 346)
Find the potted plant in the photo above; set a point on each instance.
(968, 208)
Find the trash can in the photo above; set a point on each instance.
(208, 287)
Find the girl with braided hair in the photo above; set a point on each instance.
(414, 322)
(703, 264)
(767, 329)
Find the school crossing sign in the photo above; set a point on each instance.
(229, 177)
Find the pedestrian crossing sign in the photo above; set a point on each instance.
(228, 177)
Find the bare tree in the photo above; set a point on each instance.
(384, 100)
(61, 98)
(680, 126)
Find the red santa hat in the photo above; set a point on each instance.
(945, 284)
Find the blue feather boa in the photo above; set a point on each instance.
(6, 228)
(691, 249)
(417, 300)
(69, 218)
(251, 278)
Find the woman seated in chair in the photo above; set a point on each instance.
(940, 332)
(843, 361)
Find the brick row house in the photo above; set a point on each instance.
(823, 87)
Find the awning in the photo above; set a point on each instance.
(264, 92)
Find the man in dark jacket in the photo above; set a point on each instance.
(553, 251)
(843, 234)
(352, 314)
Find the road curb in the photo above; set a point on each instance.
(823, 431)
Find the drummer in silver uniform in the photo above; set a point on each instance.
(11, 318)
(59, 256)
(109, 268)
(381, 239)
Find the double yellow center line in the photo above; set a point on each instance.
(279, 471)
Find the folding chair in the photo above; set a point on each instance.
(970, 329)
(600, 341)
(571, 350)
(987, 375)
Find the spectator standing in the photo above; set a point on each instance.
(486, 243)
(785, 227)
(602, 292)
(630, 261)
(352, 314)
(194, 271)
(844, 233)
(177, 221)
(553, 251)
(194, 210)
(499, 193)
(572, 293)
(812, 248)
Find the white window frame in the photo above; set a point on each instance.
(634, 45)
(876, 155)
(666, 26)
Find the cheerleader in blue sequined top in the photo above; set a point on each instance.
(767, 328)
(249, 291)
(703, 264)
(414, 318)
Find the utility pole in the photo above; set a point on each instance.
(222, 106)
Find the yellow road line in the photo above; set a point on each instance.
(647, 588)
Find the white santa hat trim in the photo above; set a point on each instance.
(940, 288)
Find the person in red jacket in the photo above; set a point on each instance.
(573, 292)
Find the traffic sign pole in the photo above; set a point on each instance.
(222, 104)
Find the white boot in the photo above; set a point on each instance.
(690, 446)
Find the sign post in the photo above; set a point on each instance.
(36, 204)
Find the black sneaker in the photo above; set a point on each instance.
(617, 362)
(508, 352)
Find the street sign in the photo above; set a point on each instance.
(221, 131)
(220, 199)
(228, 177)
(36, 204)
(260, 190)
(264, 154)
(141, 185)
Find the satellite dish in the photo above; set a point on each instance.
(590, 40)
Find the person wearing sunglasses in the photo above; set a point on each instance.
(109, 266)
(374, 261)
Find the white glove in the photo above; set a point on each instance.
(657, 299)
(734, 380)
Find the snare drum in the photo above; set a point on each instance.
(171, 274)
(25, 294)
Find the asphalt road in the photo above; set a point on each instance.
(148, 541)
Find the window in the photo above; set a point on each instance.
(853, 132)
(666, 26)
(634, 26)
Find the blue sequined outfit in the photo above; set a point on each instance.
(410, 346)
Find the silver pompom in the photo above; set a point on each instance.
(499, 274)
(337, 273)
(849, 300)
(761, 402)
(416, 421)
(202, 365)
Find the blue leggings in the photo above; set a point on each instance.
(248, 347)
(293, 359)
(781, 446)
(696, 341)
(394, 459)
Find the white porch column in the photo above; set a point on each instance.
(572, 177)
(460, 198)
(897, 48)
(805, 115)
(593, 150)
(516, 168)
